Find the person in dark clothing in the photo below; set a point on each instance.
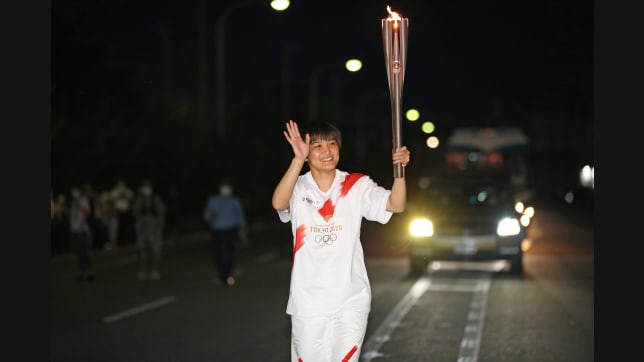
(149, 212)
(224, 213)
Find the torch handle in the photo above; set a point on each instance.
(396, 124)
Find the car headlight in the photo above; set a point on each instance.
(421, 227)
(508, 226)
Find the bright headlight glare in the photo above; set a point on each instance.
(421, 227)
(508, 226)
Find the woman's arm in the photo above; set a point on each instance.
(398, 197)
(284, 188)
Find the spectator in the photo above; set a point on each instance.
(149, 213)
(123, 197)
(109, 219)
(225, 216)
(80, 234)
(94, 221)
(60, 226)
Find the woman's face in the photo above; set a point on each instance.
(323, 154)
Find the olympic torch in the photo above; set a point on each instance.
(394, 41)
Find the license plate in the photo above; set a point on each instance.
(465, 248)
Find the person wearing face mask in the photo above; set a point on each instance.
(225, 215)
(149, 212)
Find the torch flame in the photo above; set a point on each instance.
(392, 14)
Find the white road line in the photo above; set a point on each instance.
(139, 309)
(471, 342)
(382, 334)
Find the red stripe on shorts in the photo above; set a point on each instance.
(351, 352)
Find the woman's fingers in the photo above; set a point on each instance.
(401, 155)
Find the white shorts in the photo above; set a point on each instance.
(328, 338)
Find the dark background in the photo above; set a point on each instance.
(133, 89)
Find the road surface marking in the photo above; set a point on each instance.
(471, 342)
(469, 347)
(382, 334)
(139, 309)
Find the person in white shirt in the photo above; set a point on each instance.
(330, 295)
(80, 234)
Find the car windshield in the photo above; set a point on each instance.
(463, 196)
(468, 194)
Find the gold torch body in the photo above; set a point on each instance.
(394, 38)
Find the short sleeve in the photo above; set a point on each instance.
(284, 215)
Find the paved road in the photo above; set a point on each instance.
(546, 314)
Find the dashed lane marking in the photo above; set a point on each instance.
(139, 309)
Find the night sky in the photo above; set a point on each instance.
(525, 63)
(464, 57)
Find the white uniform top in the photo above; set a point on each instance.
(328, 271)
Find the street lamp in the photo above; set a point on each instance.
(220, 55)
(351, 65)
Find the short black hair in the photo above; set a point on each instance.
(323, 130)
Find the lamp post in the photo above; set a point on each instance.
(220, 55)
(351, 65)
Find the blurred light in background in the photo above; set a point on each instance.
(432, 142)
(412, 114)
(525, 220)
(353, 65)
(519, 207)
(428, 127)
(587, 177)
(280, 5)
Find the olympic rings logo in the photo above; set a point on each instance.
(327, 239)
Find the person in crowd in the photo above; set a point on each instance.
(94, 219)
(123, 197)
(80, 234)
(109, 220)
(225, 215)
(149, 215)
(330, 294)
(60, 225)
